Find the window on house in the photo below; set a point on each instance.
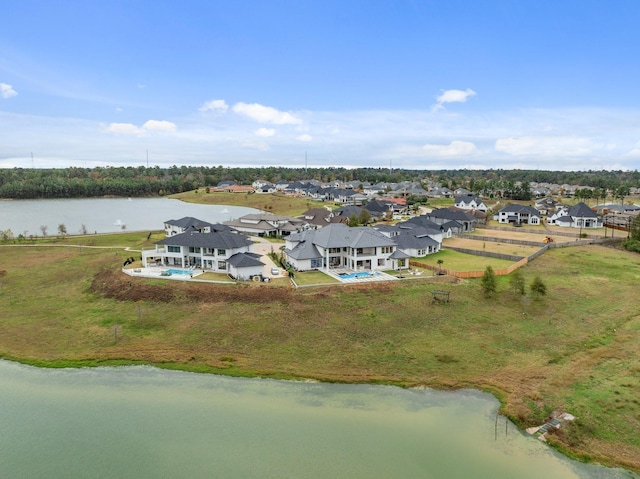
(193, 249)
(173, 249)
(222, 265)
(222, 252)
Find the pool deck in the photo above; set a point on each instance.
(374, 277)
(156, 272)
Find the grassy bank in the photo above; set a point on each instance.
(277, 203)
(573, 349)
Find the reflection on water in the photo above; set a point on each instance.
(142, 422)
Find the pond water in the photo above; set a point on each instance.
(143, 422)
(106, 215)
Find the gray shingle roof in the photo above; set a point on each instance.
(189, 222)
(221, 239)
(581, 210)
(244, 260)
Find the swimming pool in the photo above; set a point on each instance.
(178, 271)
(357, 275)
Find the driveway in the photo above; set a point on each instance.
(263, 247)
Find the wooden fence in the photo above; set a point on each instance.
(469, 274)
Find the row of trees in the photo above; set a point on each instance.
(25, 183)
(8, 235)
(489, 283)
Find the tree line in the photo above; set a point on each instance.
(29, 183)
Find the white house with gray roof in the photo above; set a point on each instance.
(188, 223)
(518, 214)
(340, 246)
(267, 224)
(207, 251)
(470, 202)
(578, 216)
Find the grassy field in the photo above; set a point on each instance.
(574, 349)
(282, 204)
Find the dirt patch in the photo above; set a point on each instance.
(112, 284)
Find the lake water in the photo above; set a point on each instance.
(106, 215)
(142, 422)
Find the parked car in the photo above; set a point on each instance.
(275, 271)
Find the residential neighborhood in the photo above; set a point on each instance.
(358, 228)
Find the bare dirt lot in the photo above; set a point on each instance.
(523, 235)
(491, 246)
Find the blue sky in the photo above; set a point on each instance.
(417, 84)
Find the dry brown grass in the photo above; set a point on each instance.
(490, 246)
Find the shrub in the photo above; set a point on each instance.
(489, 282)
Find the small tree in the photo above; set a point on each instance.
(440, 261)
(83, 229)
(517, 282)
(353, 220)
(489, 282)
(62, 229)
(6, 235)
(43, 229)
(364, 217)
(538, 288)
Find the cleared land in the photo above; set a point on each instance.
(573, 349)
(490, 246)
(517, 234)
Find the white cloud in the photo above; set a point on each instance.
(452, 96)
(454, 149)
(162, 126)
(265, 114)
(304, 137)
(124, 129)
(7, 91)
(129, 129)
(214, 105)
(265, 132)
(553, 146)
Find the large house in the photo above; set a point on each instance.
(188, 223)
(363, 248)
(518, 214)
(267, 224)
(340, 246)
(456, 220)
(222, 252)
(578, 216)
(470, 203)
